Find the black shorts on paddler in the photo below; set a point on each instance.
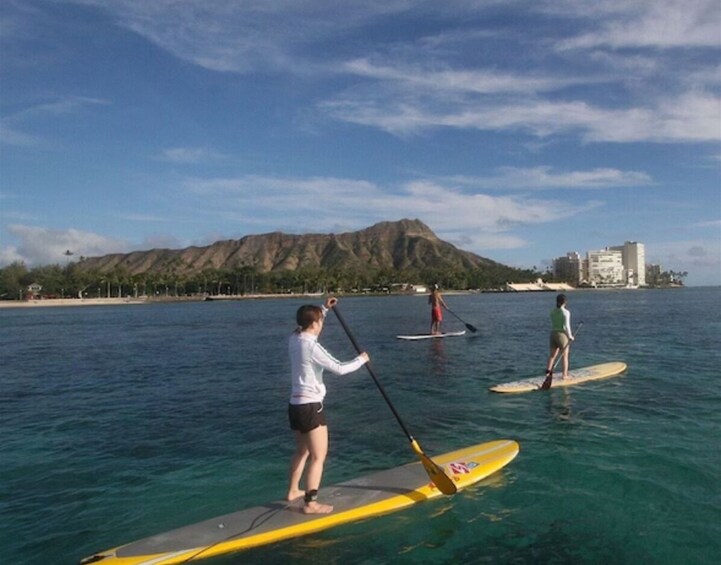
(306, 417)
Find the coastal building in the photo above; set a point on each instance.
(539, 285)
(653, 274)
(605, 268)
(633, 257)
(568, 268)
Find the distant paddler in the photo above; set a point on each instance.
(560, 339)
(437, 304)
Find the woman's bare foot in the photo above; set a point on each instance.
(294, 495)
(314, 507)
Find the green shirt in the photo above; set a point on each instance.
(561, 321)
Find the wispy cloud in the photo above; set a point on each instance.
(692, 117)
(359, 203)
(191, 155)
(651, 23)
(476, 81)
(143, 218)
(423, 82)
(43, 112)
(700, 257)
(709, 224)
(40, 246)
(512, 178)
(241, 37)
(12, 136)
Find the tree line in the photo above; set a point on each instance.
(18, 282)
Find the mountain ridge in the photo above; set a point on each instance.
(400, 245)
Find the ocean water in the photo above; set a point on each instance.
(124, 421)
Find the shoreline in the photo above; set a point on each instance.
(56, 302)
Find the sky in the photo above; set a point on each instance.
(518, 130)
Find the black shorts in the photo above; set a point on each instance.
(306, 417)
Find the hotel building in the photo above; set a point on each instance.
(633, 256)
(620, 265)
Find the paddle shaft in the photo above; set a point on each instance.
(469, 326)
(372, 373)
(549, 379)
(560, 354)
(436, 473)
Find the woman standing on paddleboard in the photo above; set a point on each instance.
(561, 336)
(308, 359)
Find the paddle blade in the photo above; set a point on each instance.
(439, 478)
(471, 328)
(547, 383)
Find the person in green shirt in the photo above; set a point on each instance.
(561, 336)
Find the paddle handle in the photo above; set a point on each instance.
(372, 373)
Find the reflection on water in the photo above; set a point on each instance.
(437, 357)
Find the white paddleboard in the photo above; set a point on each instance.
(431, 336)
(575, 377)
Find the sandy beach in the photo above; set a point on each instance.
(51, 302)
(54, 302)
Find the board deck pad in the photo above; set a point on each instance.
(431, 336)
(575, 377)
(378, 493)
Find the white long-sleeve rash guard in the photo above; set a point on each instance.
(308, 359)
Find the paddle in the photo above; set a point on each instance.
(549, 379)
(435, 472)
(471, 328)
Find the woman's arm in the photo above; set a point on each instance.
(324, 359)
(567, 324)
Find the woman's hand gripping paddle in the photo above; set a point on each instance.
(435, 472)
(471, 328)
(549, 379)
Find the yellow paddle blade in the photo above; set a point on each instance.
(439, 478)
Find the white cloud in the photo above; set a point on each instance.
(143, 218)
(692, 117)
(477, 81)
(190, 155)
(240, 37)
(11, 125)
(326, 202)
(701, 258)
(545, 178)
(418, 82)
(11, 136)
(710, 224)
(9, 254)
(40, 246)
(652, 23)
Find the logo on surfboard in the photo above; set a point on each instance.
(462, 468)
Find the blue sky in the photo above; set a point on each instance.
(518, 130)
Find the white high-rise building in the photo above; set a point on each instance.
(568, 268)
(605, 267)
(633, 256)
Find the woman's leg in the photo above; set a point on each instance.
(297, 464)
(566, 351)
(317, 443)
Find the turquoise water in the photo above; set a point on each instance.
(121, 422)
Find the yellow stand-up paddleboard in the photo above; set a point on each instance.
(372, 495)
(575, 377)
